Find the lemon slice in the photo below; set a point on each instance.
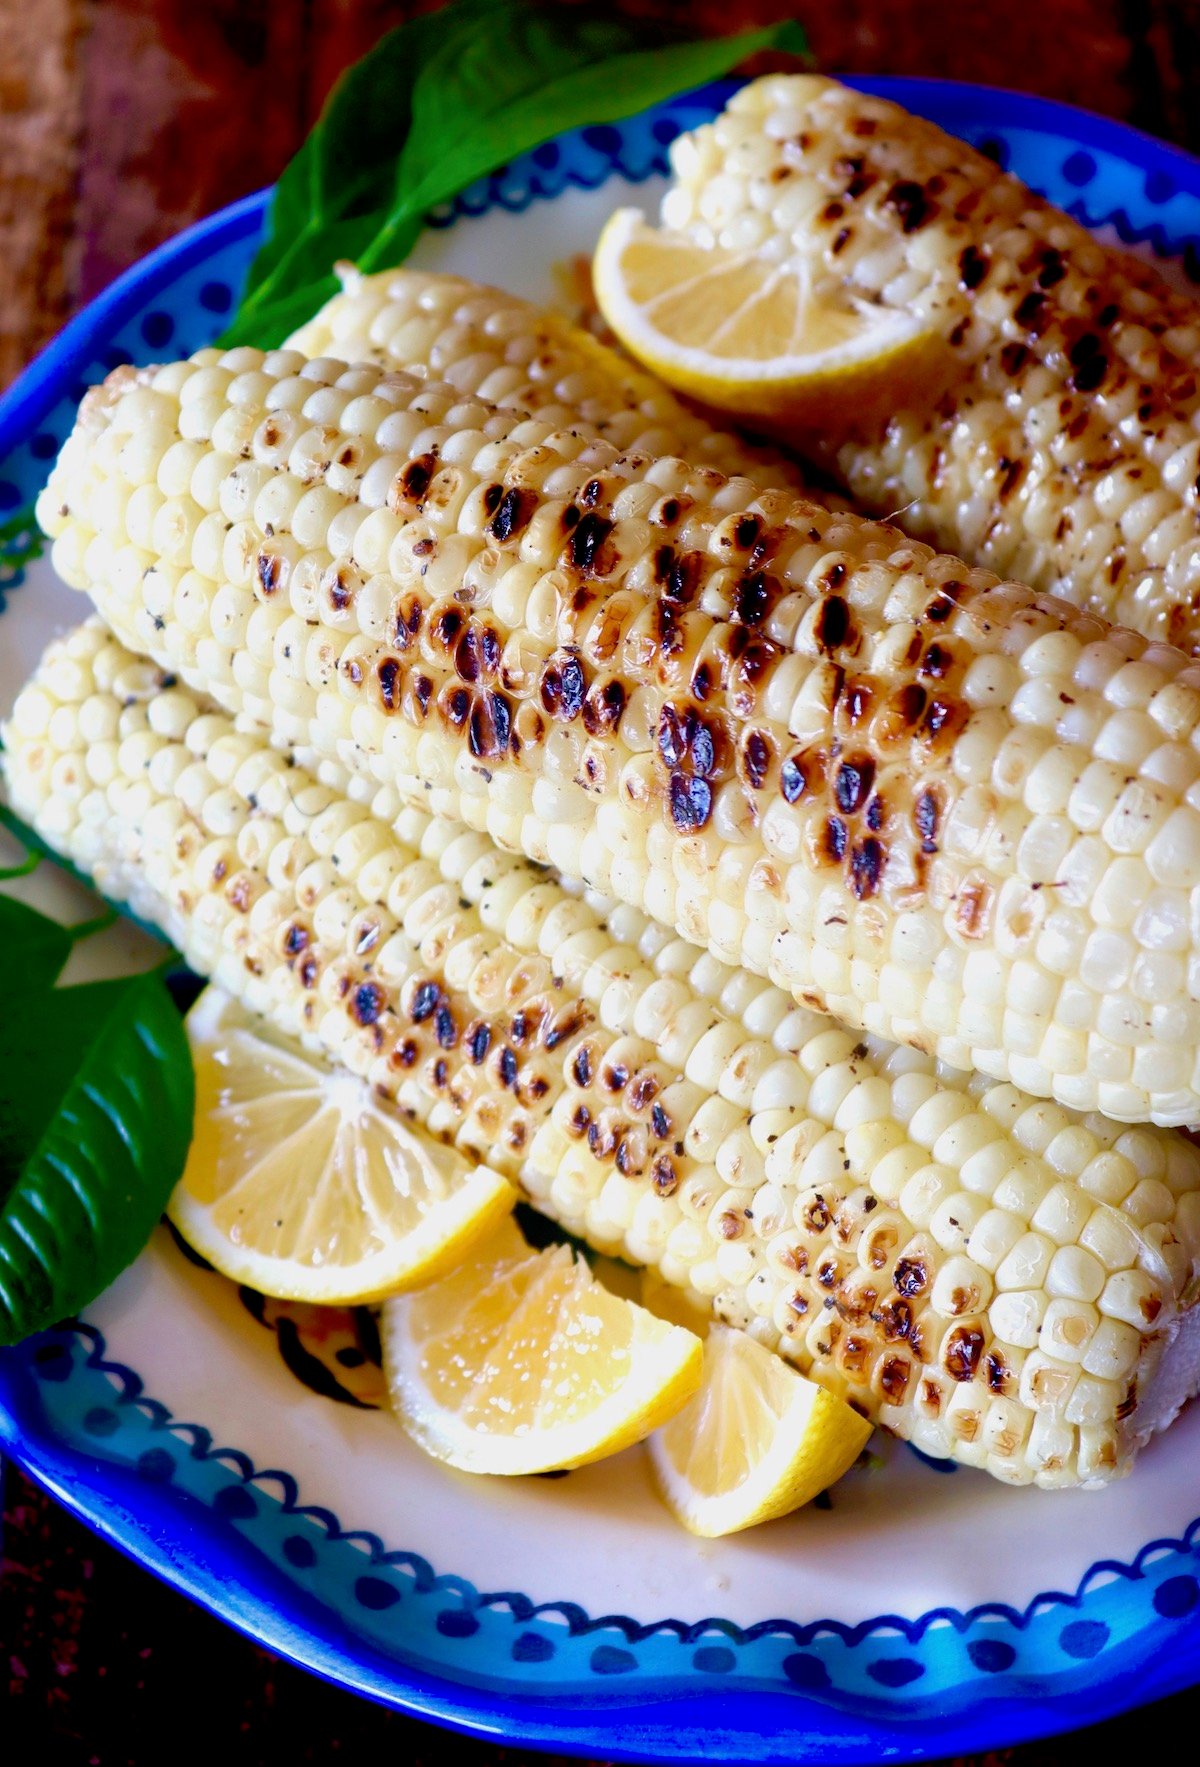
(750, 334)
(756, 1441)
(521, 1362)
(303, 1184)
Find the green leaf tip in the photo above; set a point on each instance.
(21, 541)
(96, 1102)
(434, 107)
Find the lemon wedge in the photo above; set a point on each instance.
(748, 333)
(301, 1183)
(755, 1442)
(521, 1362)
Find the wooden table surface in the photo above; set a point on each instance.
(120, 122)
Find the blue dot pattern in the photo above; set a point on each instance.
(714, 1659)
(603, 138)
(375, 1593)
(234, 1503)
(395, 1599)
(1079, 168)
(178, 316)
(156, 1465)
(895, 1671)
(1176, 1597)
(398, 1593)
(805, 1671)
(299, 1552)
(609, 1659)
(52, 1360)
(994, 147)
(1084, 1638)
(991, 1656)
(531, 1647)
(215, 297)
(158, 328)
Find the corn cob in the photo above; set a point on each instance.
(943, 809)
(993, 1278)
(1063, 445)
(495, 346)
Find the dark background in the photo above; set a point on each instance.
(121, 121)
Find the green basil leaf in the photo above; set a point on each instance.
(96, 1101)
(21, 541)
(37, 849)
(346, 168)
(34, 947)
(445, 99)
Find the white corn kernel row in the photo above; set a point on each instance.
(990, 1276)
(1061, 444)
(942, 809)
(491, 345)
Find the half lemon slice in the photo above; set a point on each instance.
(301, 1183)
(750, 334)
(521, 1362)
(755, 1442)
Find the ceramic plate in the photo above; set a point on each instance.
(235, 1449)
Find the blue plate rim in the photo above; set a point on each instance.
(27, 399)
(187, 1545)
(428, 1695)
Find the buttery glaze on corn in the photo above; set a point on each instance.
(942, 808)
(491, 345)
(1064, 444)
(992, 1277)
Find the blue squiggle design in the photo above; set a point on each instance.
(382, 1619)
(443, 1621)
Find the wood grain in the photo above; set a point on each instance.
(121, 121)
(184, 107)
(41, 127)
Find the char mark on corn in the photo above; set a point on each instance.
(942, 808)
(992, 1277)
(1060, 443)
(491, 345)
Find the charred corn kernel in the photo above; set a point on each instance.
(1059, 444)
(784, 1177)
(879, 849)
(494, 346)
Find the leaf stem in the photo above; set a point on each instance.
(27, 866)
(97, 924)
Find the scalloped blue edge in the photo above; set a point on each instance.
(776, 1691)
(237, 1538)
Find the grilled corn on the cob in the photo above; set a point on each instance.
(491, 345)
(947, 810)
(993, 1278)
(1062, 443)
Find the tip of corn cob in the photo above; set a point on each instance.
(1058, 445)
(1012, 1284)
